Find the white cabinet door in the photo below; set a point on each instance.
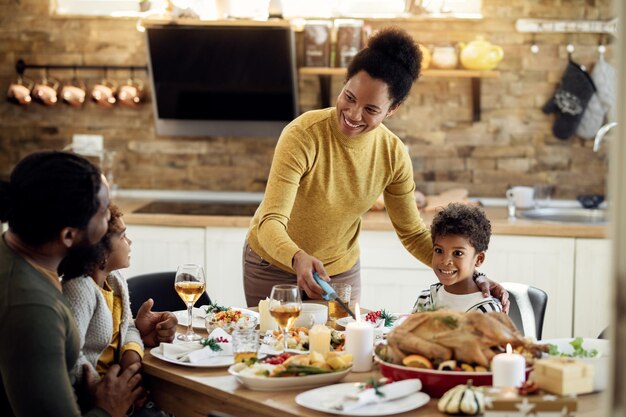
(224, 247)
(543, 262)
(391, 278)
(159, 249)
(594, 290)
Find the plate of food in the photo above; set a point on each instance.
(292, 371)
(445, 348)
(199, 314)
(297, 341)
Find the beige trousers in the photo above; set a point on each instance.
(259, 276)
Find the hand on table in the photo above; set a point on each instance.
(155, 327)
(304, 265)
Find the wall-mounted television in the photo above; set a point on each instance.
(223, 79)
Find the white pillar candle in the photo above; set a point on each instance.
(266, 321)
(319, 339)
(360, 343)
(509, 369)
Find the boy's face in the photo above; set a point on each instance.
(454, 261)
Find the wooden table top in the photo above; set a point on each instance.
(194, 392)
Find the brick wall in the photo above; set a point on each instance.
(512, 144)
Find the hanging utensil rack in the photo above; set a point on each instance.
(567, 26)
(21, 66)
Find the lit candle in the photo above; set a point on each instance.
(509, 369)
(319, 339)
(360, 343)
(266, 321)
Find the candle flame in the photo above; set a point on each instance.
(357, 312)
(509, 350)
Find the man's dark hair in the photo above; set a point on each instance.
(463, 220)
(48, 191)
(393, 57)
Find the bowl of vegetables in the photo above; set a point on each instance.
(594, 352)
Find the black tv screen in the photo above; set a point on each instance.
(222, 80)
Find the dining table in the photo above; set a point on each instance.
(186, 391)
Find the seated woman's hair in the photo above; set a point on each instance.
(87, 261)
(47, 192)
(463, 220)
(392, 56)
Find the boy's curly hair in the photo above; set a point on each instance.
(463, 220)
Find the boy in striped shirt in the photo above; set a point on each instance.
(460, 235)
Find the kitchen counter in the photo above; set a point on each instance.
(372, 220)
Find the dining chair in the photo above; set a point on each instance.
(160, 287)
(528, 308)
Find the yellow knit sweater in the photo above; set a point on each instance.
(320, 184)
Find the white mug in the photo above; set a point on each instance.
(522, 197)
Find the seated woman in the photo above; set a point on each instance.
(98, 297)
(460, 235)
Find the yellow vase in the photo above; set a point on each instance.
(480, 55)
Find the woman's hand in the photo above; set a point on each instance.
(304, 265)
(489, 287)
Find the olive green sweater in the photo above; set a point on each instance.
(321, 182)
(39, 343)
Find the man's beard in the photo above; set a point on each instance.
(82, 258)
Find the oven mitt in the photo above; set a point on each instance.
(570, 100)
(601, 103)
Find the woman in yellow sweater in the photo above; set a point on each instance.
(329, 167)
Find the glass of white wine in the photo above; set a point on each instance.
(285, 307)
(189, 284)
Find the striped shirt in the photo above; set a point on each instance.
(438, 296)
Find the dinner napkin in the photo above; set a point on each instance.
(194, 352)
(387, 392)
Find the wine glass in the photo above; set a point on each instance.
(189, 285)
(285, 307)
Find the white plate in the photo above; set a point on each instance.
(320, 399)
(287, 383)
(199, 316)
(212, 362)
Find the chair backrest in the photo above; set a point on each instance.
(528, 308)
(160, 287)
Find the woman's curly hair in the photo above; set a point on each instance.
(87, 263)
(392, 56)
(463, 220)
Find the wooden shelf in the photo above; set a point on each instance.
(429, 73)
(325, 73)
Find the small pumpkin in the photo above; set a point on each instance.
(463, 399)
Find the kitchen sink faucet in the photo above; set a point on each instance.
(601, 133)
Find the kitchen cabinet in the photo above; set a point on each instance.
(224, 272)
(392, 278)
(594, 291)
(158, 249)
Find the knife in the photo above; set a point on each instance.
(330, 294)
(389, 392)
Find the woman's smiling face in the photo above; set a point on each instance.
(363, 104)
